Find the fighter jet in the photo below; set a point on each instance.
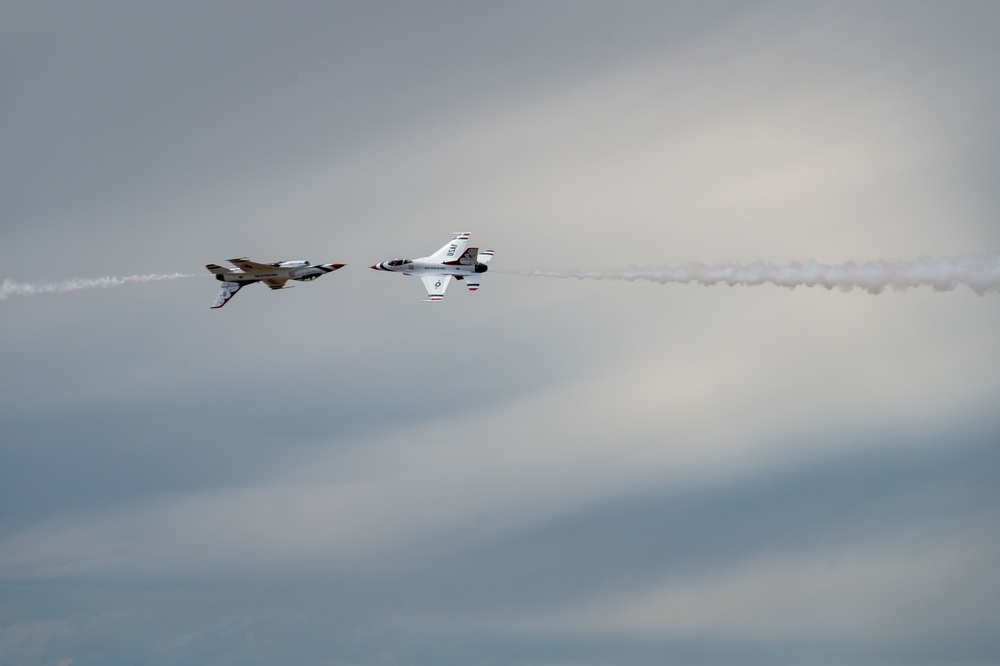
(273, 275)
(437, 270)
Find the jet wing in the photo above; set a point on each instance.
(275, 283)
(435, 286)
(453, 250)
(229, 290)
(251, 266)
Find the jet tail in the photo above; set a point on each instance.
(468, 258)
(229, 290)
(218, 270)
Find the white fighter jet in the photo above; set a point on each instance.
(454, 260)
(273, 275)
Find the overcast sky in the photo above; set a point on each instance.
(545, 472)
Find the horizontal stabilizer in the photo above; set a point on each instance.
(485, 256)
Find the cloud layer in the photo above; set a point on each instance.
(545, 471)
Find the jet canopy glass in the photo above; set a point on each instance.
(397, 262)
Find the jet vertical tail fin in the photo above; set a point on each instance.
(218, 270)
(452, 250)
(229, 290)
(468, 258)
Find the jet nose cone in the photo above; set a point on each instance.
(337, 266)
(375, 267)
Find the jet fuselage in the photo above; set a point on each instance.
(289, 270)
(421, 267)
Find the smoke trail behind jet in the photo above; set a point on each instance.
(981, 274)
(10, 288)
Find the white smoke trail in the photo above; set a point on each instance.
(10, 288)
(981, 274)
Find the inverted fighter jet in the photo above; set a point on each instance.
(454, 260)
(273, 275)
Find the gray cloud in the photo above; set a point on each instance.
(543, 472)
